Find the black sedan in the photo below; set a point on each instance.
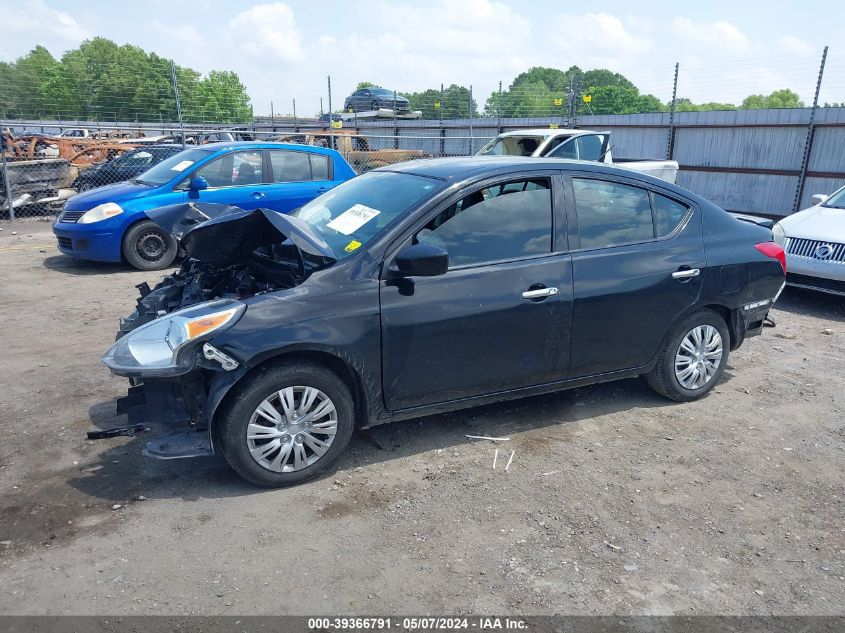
(431, 286)
(375, 98)
(124, 167)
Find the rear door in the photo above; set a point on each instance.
(499, 319)
(235, 178)
(296, 178)
(638, 264)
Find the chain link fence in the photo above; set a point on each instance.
(78, 125)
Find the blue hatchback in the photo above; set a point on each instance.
(109, 224)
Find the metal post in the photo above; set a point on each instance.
(272, 117)
(442, 131)
(331, 128)
(499, 110)
(670, 141)
(469, 107)
(295, 126)
(178, 102)
(395, 127)
(811, 132)
(6, 184)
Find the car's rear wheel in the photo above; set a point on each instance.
(375, 105)
(694, 358)
(286, 425)
(147, 246)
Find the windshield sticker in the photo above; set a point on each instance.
(353, 245)
(182, 166)
(353, 219)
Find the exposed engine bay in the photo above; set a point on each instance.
(231, 253)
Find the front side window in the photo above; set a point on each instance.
(590, 147)
(611, 213)
(233, 170)
(510, 220)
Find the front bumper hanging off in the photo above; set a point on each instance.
(170, 403)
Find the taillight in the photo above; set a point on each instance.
(775, 251)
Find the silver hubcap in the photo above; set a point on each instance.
(291, 429)
(698, 357)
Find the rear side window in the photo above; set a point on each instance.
(610, 213)
(504, 221)
(298, 166)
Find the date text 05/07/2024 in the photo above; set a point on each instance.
(423, 623)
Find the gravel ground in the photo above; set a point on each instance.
(617, 501)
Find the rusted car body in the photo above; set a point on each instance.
(355, 149)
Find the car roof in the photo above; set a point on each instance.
(233, 145)
(460, 169)
(546, 131)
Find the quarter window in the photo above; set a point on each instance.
(505, 221)
(668, 214)
(610, 214)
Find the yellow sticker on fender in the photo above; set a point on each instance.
(353, 245)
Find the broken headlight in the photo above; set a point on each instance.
(100, 212)
(156, 348)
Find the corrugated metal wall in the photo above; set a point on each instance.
(743, 160)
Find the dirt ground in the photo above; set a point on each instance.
(617, 501)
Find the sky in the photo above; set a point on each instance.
(285, 50)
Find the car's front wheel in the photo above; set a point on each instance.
(694, 358)
(287, 424)
(147, 246)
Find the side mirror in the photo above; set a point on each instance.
(818, 198)
(422, 260)
(196, 184)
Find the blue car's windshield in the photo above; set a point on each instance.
(350, 215)
(171, 167)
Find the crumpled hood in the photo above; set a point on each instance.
(816, 223)
(222, 234)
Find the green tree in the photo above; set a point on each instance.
(106, 82)
(454, 102)
(365, 84)
(778, 99)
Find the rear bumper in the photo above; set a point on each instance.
(85, 241)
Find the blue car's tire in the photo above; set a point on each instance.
(147, 246)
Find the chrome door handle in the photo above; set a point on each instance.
(257, 195)
(539, 293)
(686, 274)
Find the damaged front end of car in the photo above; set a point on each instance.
(166, 346)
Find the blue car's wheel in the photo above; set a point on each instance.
(148, 247)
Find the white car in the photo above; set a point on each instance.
(814, 241)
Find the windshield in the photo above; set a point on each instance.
(352, 214)
(524, 145)
(168, 169)
(837, 200)
(381, 92)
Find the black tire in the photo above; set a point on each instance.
(232, 422)
(663, 377)
(147, 246)
(84, 186)
(375, 105)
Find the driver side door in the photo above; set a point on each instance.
(499, 318)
